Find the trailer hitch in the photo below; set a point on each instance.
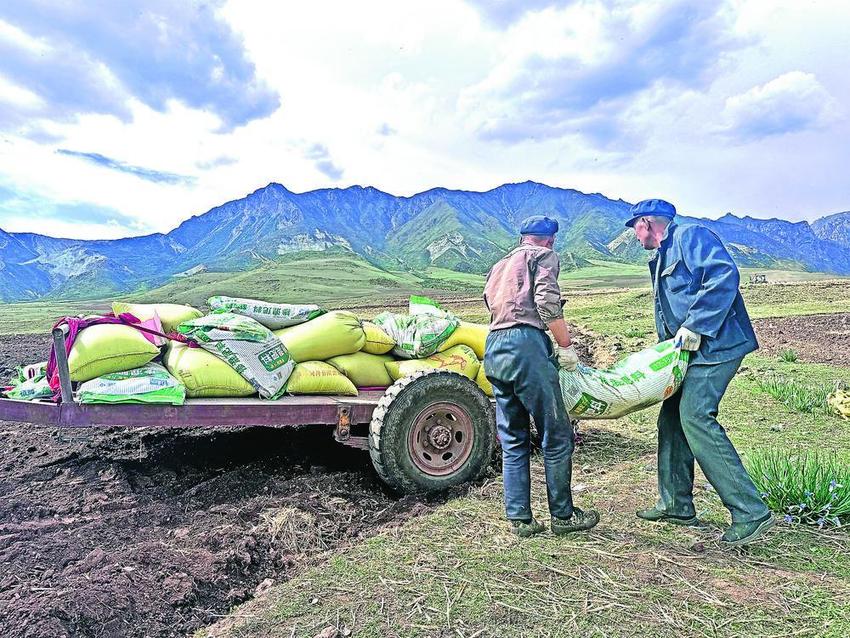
(342, 432)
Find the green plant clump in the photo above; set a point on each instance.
(796, 396)
(788, 356)
(810, 487)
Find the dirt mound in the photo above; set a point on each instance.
(814, 338)
(155, 532)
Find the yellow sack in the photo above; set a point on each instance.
(106, 348)
(318, 377)
(204, 374)
(377, 341)
(839, 401)
(473, 335)
(171, 315)
(330, 335)
(458, 359)
(483, 382)
(365, 370)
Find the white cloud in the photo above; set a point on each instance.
(19, 96)
(790, 103)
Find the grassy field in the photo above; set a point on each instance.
(604, 294)
(456, 571)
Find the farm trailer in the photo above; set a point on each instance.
(425, 433)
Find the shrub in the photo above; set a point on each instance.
(808, 487)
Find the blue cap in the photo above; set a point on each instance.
(651, 207)
(538, 225)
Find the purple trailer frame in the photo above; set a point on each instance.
(340, 412)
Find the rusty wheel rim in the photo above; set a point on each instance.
(440, 439)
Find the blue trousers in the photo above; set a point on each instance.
(688, 430)
(520, 364)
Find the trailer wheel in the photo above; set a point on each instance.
(431, 431)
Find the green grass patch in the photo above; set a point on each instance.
(795, 395)
(805, 487)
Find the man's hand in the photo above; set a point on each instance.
(688, 339)
(567, 358)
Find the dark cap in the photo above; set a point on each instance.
(538, 225)
(650, 208)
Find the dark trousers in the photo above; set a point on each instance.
(688, 430)
(520, 364)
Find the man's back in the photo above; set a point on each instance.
(522, 288)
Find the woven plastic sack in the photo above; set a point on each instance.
(246, 346)
(106, 348)
(421, 332)
(377, 341)
(149, 384)
(365, 370)
(30, 389)
(204, 374)
(473, 335)
(330, 335)
(170, 315)
(634, 383)
(460, 359)
(318, 377)
(31, 371)
(272, 315)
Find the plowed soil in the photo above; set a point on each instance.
(813, 338)
(156, 533)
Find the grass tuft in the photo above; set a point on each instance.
(796, 396)
(809, 487)
(788, 356)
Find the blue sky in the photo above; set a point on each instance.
(121, 118)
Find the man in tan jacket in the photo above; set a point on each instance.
(524, 299)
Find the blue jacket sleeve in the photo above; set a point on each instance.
(710, 264)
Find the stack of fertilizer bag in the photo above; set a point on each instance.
(163, 353)
(317, 352)
(112, 359)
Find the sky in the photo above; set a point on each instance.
(126, 118)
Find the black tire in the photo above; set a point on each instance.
(404, 407)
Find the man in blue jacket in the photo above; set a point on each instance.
(697, 301)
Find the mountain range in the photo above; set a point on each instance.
(457, 230)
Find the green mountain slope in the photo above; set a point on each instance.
(308, 277)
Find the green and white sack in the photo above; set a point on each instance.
(421, 332)
(151, 383)
(32, 371)
(30, 389)
(246, 346)
(272, 315)
(634, 383)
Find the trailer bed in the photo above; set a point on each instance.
(287, 411)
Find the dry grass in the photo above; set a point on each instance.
(293, 531)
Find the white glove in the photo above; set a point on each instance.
(567, 358)
(688, 339)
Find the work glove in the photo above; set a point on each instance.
(687, 339)
(567, 358)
